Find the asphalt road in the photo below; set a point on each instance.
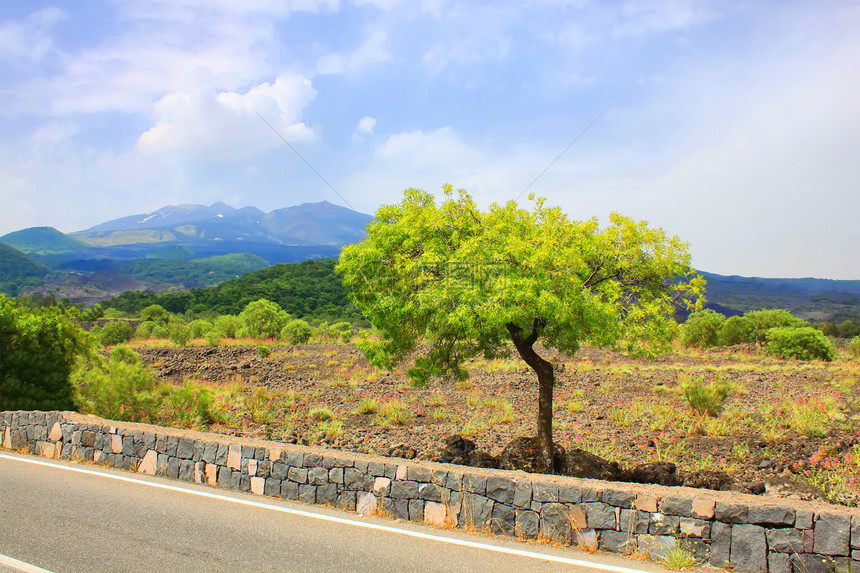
(69, 517)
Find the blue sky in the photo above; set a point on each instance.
(733, 124)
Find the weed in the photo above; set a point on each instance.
(680, 557)
(320, 414)
(440, 414)
(393, 413)
(368, 406)
(705, 400)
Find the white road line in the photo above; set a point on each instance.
(334, 519)
(20, 565)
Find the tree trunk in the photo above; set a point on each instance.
(546, 382)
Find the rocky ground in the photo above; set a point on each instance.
(786, 426)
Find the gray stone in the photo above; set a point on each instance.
(543, 492)
(335, 475)
(185, 450)
(307, 493)
(771, 515)
(788, 540)
(225, 476)
(248, 452)
(414, 473)
(221, 454)
(721, 544)
(186, 470)
(261, 453)
(749, 548)
(360, 465)
(696, 528)
(402, 489)
(476, 512)
(664, 524)
(279, 470)
(127, 445)
(430, 492)
(855, 532)
(523, 494)
(617, 542)
(803, 519)
(272, 487)
(290, 490)
(173, 468)
(779, 563)
(210, 449)
(501, 489)
(298, 475)
(401, 509)
(589, 494)
(570, 494)
(474, 484)
(263, 468)
(634, 521)
(244, 482)
(600, 516)
(555, 523)
(454, 481)
(674, 505)
(172, 445)
(416, 510)
(655, 547)
(527, 524)
(295, 459)
(353, 479)
(832, 533)
(503, 520)
(617, 498)
(318, 476)
(730, 512)
(811, 563)
(346, 500)
(327, 493)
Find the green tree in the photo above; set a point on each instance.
(264, 319)
(297, 331)
(468, 281)
(38, 350)
(702, 328)
(800, 343)
(737, 330)
(115, 332)
(155, 313)
(764, 320)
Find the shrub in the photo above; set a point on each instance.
(764, 320)
(179, 334)
(296, 332)
(199, 328)
(119, 388)
(853, 347)
(38, 350)
(144, 329)
(702, 328)
(263, 351)
(155, 313)
(115, 332)
(264, 319)
(737, 330)
(705, 399)
(189, 404)
(228, 325)
(801, 343)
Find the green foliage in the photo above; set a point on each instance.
(264, 319)
(737, 330)
(468, 282)
(228, 325)
(310, 290)
(263, 351)
(764, 320)
(199, 328)
(38, 350)
(800, 343)
(188, 405)
(95, 312)
(119, 388)
(702, 328)
(156, 313)
(196, 272)
(18, 272)
(296, 331)
(705, 400)
(853, 347)
(115, 332)
(179, 334)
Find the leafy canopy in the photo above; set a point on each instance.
(466, 280)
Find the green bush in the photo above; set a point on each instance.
(705, 399)
(189, 405)
(115, 332)
(38, 351)
(263, 351)
(736, 330)
(144, 329)
(764, 320)
(119, 388)
(296, 331)
(800, 343)
(199, 328)
(179, 334)
(228, 325)
(702, 328)
(264, 319)
(853, 347)
(155, 313)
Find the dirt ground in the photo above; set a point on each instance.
(780, 418)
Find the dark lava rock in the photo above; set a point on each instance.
(402, 451)
(524, 454)
(579, 463)
(663, 473)
(755, 487)
(456, 451)
(479, 459)
(708, 479)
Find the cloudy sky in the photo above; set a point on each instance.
(733, 124)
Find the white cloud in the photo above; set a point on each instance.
(226, 125)
(642, 17)
(372, 51)
(364, 128)
(29, 39)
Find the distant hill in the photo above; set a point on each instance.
(18, 272)
(42, 241)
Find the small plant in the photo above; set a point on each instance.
(853, 347)
(368, 406)
(330, 429)
(440, 414)
(259, 406)
(320, 414)
(705, 400)
(263, 351)
(393, 413)
(680, 557)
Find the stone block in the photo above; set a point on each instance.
(855, 532)
(353, 479)
(437, 514)
(366, 503)
(617, 542)
(429, 492)
(655, 547)
(327, 493)
(186, 470)
(298, 475)
(569, 494)
(600, 516)
(234, 458)
(273, 487)
(475, 484)
(318, 476)
(646, 503)
(225, 476)
(634, 521)
(542, 492)
(779, 563)
(252, 467)
(803, 519)
(345, 500)
(148, 463)
(527, 524)
(618, 498)
(258, 485)
(674, 505)
(185, 449)
(523, 494)
(335, 475)
(279, 470)
(555, 523)
(416, 510)
(211, 472)
(476, 512)
(210, 450)
(400, 510)
(56, 432)
(501, 489)
(730, 512)
(787, 540)
(295, 459)
(261, 453)
(721, 544)
(664, 524)
(247, 452)
(771, 515)
(749, 548)
(378, 470)
(703, 508)
(290, 490)
(811, 563)
(589, 494)
(698, 528)
(307, 493)
(403, 489)
(172, 445)
(454, 481)
(88, 438)
(832, 534)
(172, 467)
(503, 520)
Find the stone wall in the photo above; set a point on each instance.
(727, 530)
